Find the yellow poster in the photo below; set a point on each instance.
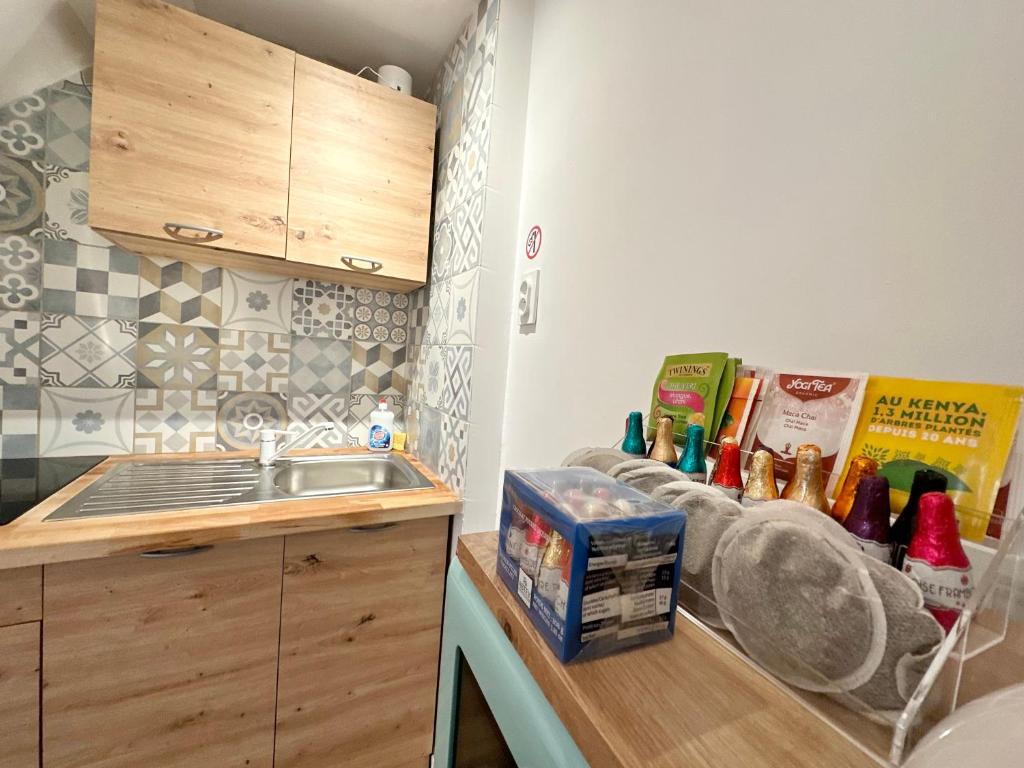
(962, 430)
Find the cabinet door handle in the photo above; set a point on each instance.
(205, 234)
(179, 552)
(349, 261)
(371, 528)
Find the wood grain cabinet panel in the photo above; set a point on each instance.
(360, 637)
(21, 595)
(191, 124)
(19, 696)
(162, 661)
(361, 174)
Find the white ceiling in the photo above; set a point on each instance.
(414, 34)
(352, 34)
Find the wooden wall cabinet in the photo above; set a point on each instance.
(163, 660)
(192, 124)
(360, 639)
(361, 173)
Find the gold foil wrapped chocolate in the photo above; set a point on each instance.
(663, 448)
(761, 485)
(806, 485)
(861, 466)
(549, 576)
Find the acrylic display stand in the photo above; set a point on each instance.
(984, 651)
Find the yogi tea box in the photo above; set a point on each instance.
(593, 562)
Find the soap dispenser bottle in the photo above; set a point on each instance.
(382, 428)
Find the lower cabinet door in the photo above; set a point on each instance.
(360, 638)
(162, 660)
(19, 696)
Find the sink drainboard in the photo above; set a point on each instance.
(140, 488)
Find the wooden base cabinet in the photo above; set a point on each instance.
(360, 638)
(19, 696)
(162, 660)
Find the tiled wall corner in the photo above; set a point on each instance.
(106, 352)
(444, 335)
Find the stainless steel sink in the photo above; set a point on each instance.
(338, 475)
(139, 487)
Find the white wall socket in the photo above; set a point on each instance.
(528, 298)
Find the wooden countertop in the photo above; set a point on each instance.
(686, 703)
(31, 541)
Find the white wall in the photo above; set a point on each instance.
(44, 40)
(830, 184)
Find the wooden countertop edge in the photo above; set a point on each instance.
(596, 743)
(31, 541)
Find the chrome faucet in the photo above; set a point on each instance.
(269, 452)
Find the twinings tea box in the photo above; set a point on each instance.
(594, 563)
(688, 385)
(808, 407)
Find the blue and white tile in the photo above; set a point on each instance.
(452, 453)
(433, 375)
(443, 252)
(252, 301)
(19, 421)
(177, 356)
(473, 152)
(322, 309)
(479, 83)
(467, 231)
(175, 420)
(306, 410)
(381, 316)
(22, 196)
(79, 351)
(360, 407)
(320, 365)
(67, 207)
(67, 128)
(254, 362)
(21, 272)
(462, 323)
(19, 348)
(428, 445)
(458, 374)
(86, 422)
(379, 368)
(179, 292)
(241, 416)
(23, 127)
(87, 280)
(419, 314)
(440, 309)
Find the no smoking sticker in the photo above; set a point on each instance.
(533, 242)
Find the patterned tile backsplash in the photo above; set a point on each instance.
(442, 317)
(106, 352)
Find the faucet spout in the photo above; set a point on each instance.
(269, 450)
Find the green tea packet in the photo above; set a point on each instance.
(688, 384)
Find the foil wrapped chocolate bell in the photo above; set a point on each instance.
(868, 520)
(663, 448)
(692, 464)
(936, 560)
(806, 484)
(634, 442)
(925, 481)
(726, 477)
(861, 466)
(761, 484)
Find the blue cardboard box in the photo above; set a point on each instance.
(593, 562)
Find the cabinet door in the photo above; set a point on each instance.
(191, 124)
(362, 168)
(164, 660)
(360, 637)
(19, 696)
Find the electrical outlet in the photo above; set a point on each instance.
(528, 299)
